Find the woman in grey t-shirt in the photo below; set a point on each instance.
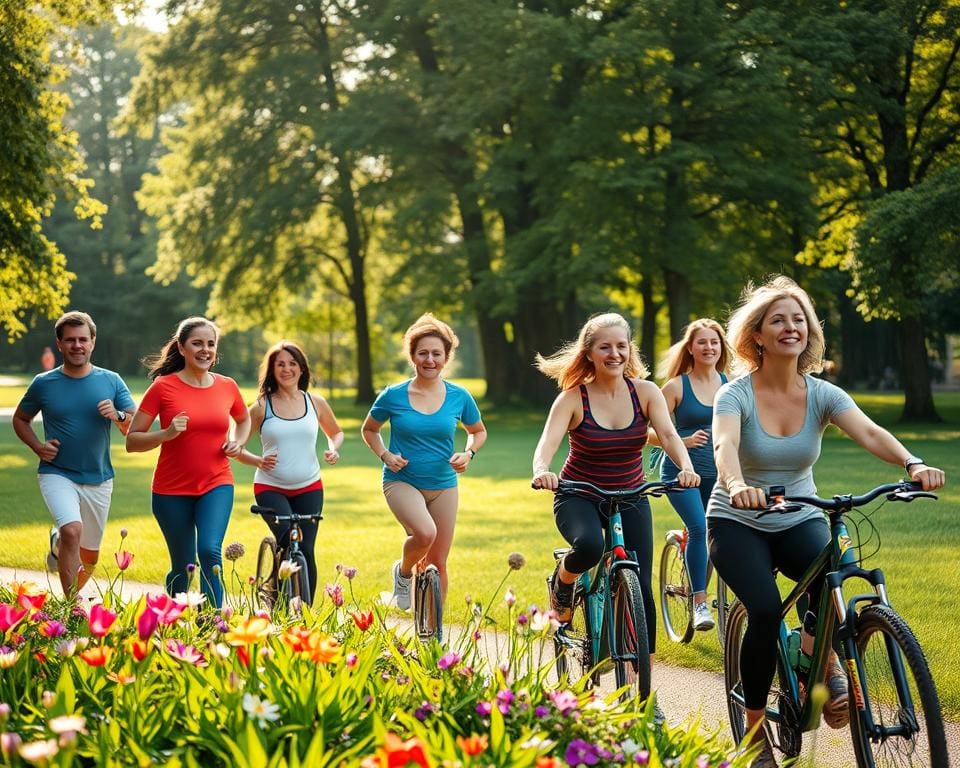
(767, 429)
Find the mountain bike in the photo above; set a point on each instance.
(894, 708)
(676, 591)
(269, 586)
(427, 602)
(608, 622)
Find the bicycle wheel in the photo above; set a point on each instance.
(905, 707)
(676, 599)
(722, 606)
(428, 604)
(298, 585)
(783, 711)
(629, 646)
(266, 584)
(572, 645)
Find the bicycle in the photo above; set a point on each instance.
(427, 603)
(894, 707)
(269, 557)
(676, 591)
(608, 621)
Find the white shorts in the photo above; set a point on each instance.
(70, 502)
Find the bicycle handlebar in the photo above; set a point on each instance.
(904, 490)
(651, 488)
(284, 518)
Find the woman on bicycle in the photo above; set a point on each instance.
(289, 419)
(604, 409)
(767, 430)
(695, 369)
(421, 466)
(192, 484)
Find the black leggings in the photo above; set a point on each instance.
(581, 523)
(745, 558)
(308, 503)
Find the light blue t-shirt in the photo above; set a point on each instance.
(69, 408)
(425, 440)
(769, 460)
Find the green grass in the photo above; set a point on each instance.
(500, 514)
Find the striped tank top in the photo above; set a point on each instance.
(609, 458)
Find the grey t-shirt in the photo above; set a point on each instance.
(767, 460)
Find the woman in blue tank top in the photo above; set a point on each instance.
(695, 367)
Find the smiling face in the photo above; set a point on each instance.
(705, 347)
(429, 357)
(286, 370)
(199, 350)
(784, 329)
(609, 351)
(76, 345)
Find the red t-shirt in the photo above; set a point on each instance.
(194, 462)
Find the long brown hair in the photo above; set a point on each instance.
(267, 380)
(169, 359)
(570, 366)
(678, 359)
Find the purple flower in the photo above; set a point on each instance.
(542, 711)
(522, 619)
(642, 757)
(580, 752)
(191, 567)
(565, 701)
(484, 708)
(349, 571)
(423, 711)
(448, 660)
(703, 761)
(504, 698)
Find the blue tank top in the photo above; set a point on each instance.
(691, 415)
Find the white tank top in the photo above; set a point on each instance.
(295, 443)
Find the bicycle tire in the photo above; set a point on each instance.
(629, 636)
(676, 598)
(428, 604)
(784, 732)
(881, 632)
(266, 576)
(722, 607)
(298, 585)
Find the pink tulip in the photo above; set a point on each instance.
(167, 609)
(147, 623)
(123, 559)
(101, 619)
(10, 616)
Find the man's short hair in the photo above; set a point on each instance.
(74, 318)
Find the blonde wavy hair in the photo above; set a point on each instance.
(746, 320)
(678, 359)
(427, 325)
(570, 366)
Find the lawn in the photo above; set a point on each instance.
(500, 514)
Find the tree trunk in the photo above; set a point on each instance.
(915, 372)
(678, 297)
(648, 324)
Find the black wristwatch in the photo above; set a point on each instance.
(472, 453)
(911, 461)
(121, 416)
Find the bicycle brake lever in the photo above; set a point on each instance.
(909, 496)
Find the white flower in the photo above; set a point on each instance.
(545, 622)
(68, 724)
(262, 710)
(510, 598)
(39, 752)
(287, 569)
(538, 743)
(191, 599)
(629, 746)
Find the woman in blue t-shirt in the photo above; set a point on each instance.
(421, 465)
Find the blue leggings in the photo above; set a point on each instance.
(691, 505)
(192, 526)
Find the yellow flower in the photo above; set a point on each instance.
(253, 629)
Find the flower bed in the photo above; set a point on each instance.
(168, 681)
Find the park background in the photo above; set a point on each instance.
(327, 171)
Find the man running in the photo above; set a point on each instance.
(78, 401)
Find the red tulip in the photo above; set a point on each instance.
(10, 616)
(123, 559)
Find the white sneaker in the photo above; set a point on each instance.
(702, 620)
(54, 552)
(401, 588)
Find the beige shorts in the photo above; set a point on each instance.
(71, 502)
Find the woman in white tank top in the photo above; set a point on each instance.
(289, 419)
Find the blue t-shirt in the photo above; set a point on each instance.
(70, 415)
(425, 440)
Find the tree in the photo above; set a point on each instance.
(39, 160)
(885, 83)
(261, 196)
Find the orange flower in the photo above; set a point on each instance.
(324, 649)
(298, 638)
(251, 630)
(363, 620)
(547, 762)
(400, 753)
(121, 677)
(473, 744)
(97, 656)
(33, 603)
(139, 649)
